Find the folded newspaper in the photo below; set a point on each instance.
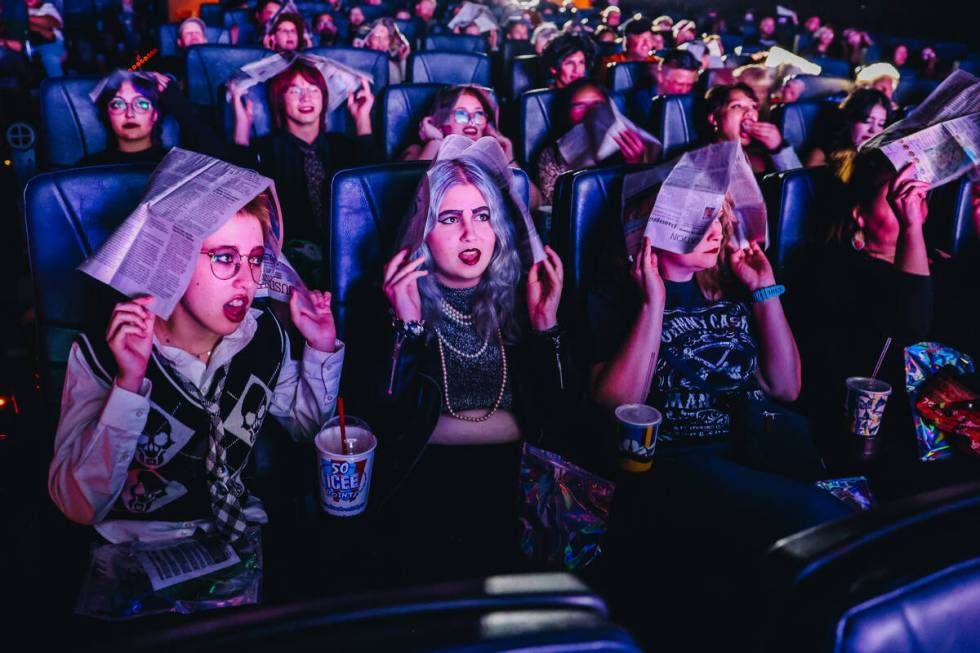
(593, 140)
(474, 13)
(488, 155)
(116, 78)
(287, 7)
(189, 197)
(780, 57)
(940, 138)
(675, 203)
(341, 80)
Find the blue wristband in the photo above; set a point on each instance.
(762, 294)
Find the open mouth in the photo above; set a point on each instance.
(470, 256)
(470, 131)
(130, 125)
(236, 309)
(306, 109)
(713, 250)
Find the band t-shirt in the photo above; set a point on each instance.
(707, 361)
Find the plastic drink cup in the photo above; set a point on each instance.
(864, 404)
(636, 433)
(345, 478)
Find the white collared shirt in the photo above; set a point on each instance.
(100, 426)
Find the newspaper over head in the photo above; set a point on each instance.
(487, 154)
(940, 139)
(341, 80)
(594, 139)
(471, 12)
(287, 7)
(115, 80)
(189, 197)
(674, 204)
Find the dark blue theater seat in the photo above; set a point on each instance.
(671, 119)
(831, 67)
(210, 66)
(455, 43)
(627, 75)
(526, 73)
(212, 14)
(821, 87)
(911, 92)
(70, 125)
(402, 108)
(444, 67)
(804, 123)
(795, 205)
(902, 578)
(68, 215)
(168, 38)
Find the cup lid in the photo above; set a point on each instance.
(638, 414)
(867, 384)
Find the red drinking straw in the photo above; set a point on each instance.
(344, 442)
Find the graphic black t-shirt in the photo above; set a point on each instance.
(708, 357)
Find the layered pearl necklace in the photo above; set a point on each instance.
(466, 319)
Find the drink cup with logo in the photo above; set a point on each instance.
(636, 430)
(864, 404)
(345, 479)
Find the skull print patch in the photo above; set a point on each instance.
(162, 437)
(248, 414)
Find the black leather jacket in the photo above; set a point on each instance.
(412, 399)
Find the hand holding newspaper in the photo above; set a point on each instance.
(594, 139)
(341, 80)
(675, 203)
(940, 139)
(474, 13)
(189, 197)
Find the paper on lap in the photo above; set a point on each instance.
(594, 139)
(941, 137)
(675, 204)
(189, 197)
(341, 80)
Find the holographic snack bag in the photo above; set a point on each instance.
(853, 490)
(192, 574)
(564, 510)
(923, 361)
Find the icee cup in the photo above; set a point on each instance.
(345, 478)
(864, 405)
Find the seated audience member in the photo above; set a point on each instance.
(288, 34)
(424, 17)
(929, 65)
(733, 115)
(881, 77)
(611, 16)
(572, 105)
(677, 73)
(298, 154)
(517, 29)
(638, 46)
(766, 37)
(605, 34)
(568, 57)
(699, 338)
(356, 18)
(542, 36)
(852, 46)
(790, 90)
(684, 31)
(131, 107)
(153, 478)
(862, 115)
(811, 25)
(327, 32)
(760, 79)
(44, 25)
(191, 32)
(384, 36)
(663, 23)
(874, 283)
(899, 55)
(822, 44)
(477, 367)
(265, 10)
(461, 110)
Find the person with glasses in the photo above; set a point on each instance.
(461, 110)
(159, 415)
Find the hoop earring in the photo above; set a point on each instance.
(857, 240)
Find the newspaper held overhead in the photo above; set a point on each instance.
(676, 203)
(474, 13)
(593, 140)
(941, 137)
(341, 80)
(115, 80)
(189, 197)
(781, 57)
(287, 7)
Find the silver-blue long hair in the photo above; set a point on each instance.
(495, 305)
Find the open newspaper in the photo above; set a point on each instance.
(474, 13)
(675, 203)
(781, 57)
(288, 7)
(593, 140)
(940, 138)
(341, 80)
(189, 197)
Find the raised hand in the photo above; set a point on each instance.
(907, 197)
(401, 286)
(130, 338)
(310, 311)
(646, 275)
(544, 285)
(632, 146)
(751, 266)
(244, 113)
(428, 131)
(505, 143)
(767, 134)
(359, 104)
